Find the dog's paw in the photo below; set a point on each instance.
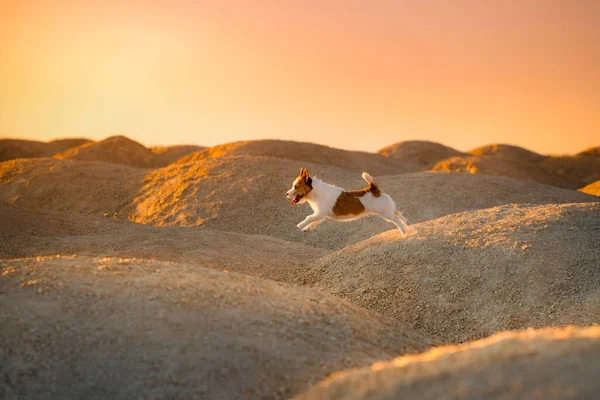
(299, 225)
(306, 229)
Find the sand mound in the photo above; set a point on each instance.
(115, 149)
(165, 155)
(26, 233)
(592, 151)
(550, 363)
(72, 187)
(468, 275)
(592, 188)
(571, 172)
(507, 151)
(246, 195)
(127, 328)
(11, 149)
(67, 143)
(420, 152)
(308, 153)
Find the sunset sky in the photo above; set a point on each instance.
(346, 73)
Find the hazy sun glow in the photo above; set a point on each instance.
(350, 74)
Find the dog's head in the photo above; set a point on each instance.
(300, 188)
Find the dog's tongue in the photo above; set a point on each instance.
(295, 200)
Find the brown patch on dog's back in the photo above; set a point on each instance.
(348, 203)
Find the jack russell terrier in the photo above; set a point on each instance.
(328, 201)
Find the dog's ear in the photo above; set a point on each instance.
(301, 171)
(305, 174)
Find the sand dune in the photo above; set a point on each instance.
(165, 155)
(544, 364)
(127, 328)
(26, 233)
(592, 188)
(11, 149)
(507, 151)
(246, 195)
(420, 152)
(309, 152)
(114, 149)
(468, 275)
(571, 172)
(68, 186)
(592, 151)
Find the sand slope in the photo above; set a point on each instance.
(126, 328)
(309, 153)
(465, 276)
(592, 151)
(114, 149)
(26, 233)
(420, 152)
(592, 188)
(571, 172)
(544, 364)
(68, 186)
(507, 151)
(11, 149)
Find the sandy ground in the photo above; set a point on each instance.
(174, 293)
(545, 364)
(466, 276)
(98, 328)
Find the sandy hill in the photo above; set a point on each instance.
(468, 275)
(11, 149)
(507, 151)
(115, 149)
(68, 186)
(544, 364)
(592, 151)
(68, 143)
(308, 152)
(165, 155)
(27, 233)
(592, 188)
(246, 194)
(126, 328)
(420, 152)
(571, 172)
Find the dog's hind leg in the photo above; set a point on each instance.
(393, 218)
(402, 217)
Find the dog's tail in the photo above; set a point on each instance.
(373, 186)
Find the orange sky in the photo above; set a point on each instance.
(346, 73)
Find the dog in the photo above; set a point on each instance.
(328, 201)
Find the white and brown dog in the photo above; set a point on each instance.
(328, 201)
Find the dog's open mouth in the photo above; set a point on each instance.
(296, 199)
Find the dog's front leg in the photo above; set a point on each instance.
(312, 225)
(308, 220)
